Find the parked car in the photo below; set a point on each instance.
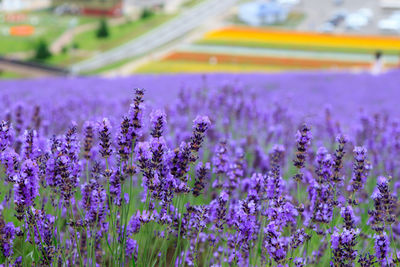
(389, 25)
(367, 12)
(338, 2)
(356, 21)
(289, 2)
(338, 18)
(327, 27)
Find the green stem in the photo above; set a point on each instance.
(394, 244)
(87, 171)
(76, 240)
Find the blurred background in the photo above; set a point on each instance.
(41, 38)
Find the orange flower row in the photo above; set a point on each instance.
(22, 30)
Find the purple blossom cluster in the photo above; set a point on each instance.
(134, 183)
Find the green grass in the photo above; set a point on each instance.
(64, 59)
(119, 34)
(191, 3)
(109, 67)
(10, 75)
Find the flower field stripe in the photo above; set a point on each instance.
(304, 39)
(259, 51)
(272, 61)
(184, 66)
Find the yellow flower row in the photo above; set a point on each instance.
(303, 39)
(201, 67)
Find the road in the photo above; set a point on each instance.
(183, 24)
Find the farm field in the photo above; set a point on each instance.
(285, 169)
(264, 49)
(45, 29)
(119, 34)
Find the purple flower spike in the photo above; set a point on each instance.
(200, 126)
(359, 169)
(26, 188)
(303, 141)
(381, 247)
(158, 121)
(105, 138)
(5, 135)
(342, 245)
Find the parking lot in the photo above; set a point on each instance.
(319, 12)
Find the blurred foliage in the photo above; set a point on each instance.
(146, 13)
(103, 31)
(42, 51)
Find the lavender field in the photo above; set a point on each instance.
(298, 169)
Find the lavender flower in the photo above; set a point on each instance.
(201, 171)
(40, 228)
(132, 248)
(88, 139)
(221, 210)
(68, 182)
(5, 135)
(105, 138)
(30, 147)
(135, 116)
(116, 180)
(276, 159)
(220, 159)
(8, 233)
(366, 260)
(338, 158)
(347, 214)
(124, 140)
(158, 121)
(26, 187)
(200, 126)
(359, 169)
(299, 238)
(275, 243)
(94, 202)
(299, 262)
(381, 247)
(384, 206)
(342, 245)
(303, 140)
(11, 161)
(181, 161)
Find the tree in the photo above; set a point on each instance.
(42, 50)
(146, 13)
(103, 31)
